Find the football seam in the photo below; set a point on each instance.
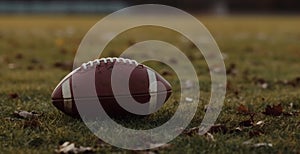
(119, 96)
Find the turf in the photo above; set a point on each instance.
(36, 52)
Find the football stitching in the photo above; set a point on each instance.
(108, 59)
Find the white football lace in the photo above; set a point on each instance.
(108, 59)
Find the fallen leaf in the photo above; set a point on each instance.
(30, 68)
(259, 123)
(209, 137)
(159, 145)
(191, 131)
(264, 85)
(114, 53)
(131, 42)
(218, 128)
(166, 73)
(41, 67)
(243, 109)
(236, 93)
(63, 65)
(26, 114)
(195, 131)
(100, 143)
(294, 82)
(236, 130)
(153, 148)
(232, 70)
(19, 56)
(13, 95)
(11, 119)
(246, 123)
(12, 66)
(288, 114)
(261, 82)
(68, 147)
(257, 145)
(142, 152)
(188, 99)
(275, 110)
(291, 105)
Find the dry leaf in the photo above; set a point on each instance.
(13, 95)
(209, 137)
(68, 147)
(294, 82)
(232, 70)
(195, 131)
(276, 110)
(100, 143)
(159, 146)
(166, 73)
(26, 114)
(19, 56)
(264, 85)
(131, 42)
(11, 119)
(257, 145)
(63, 65)
(246, 123)
(192, 131)
(188, 99)
(243, 109)
(153, 148)
(12, 66)
(30, 68)
(142, 152)
(261, 82)
(259, 123)
(218, 128)
(236, 130)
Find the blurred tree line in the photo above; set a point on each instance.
(204, 6)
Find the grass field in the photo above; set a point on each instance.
(262, 63)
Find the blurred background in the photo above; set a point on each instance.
(259, 40)
(199, 6)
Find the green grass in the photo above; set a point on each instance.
(264, 47)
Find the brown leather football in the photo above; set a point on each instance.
(113, 83)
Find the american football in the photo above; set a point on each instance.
(144, 84)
